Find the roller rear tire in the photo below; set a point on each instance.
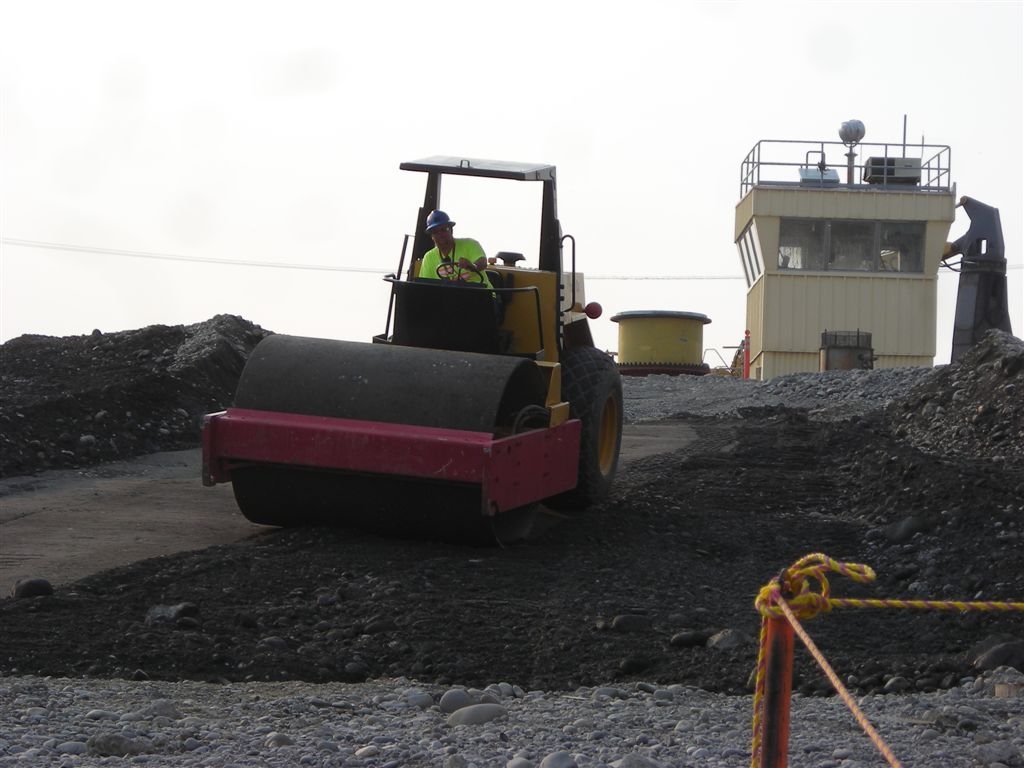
(592, 385)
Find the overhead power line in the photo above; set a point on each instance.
(179, 257)
(663, 277)
(281, 265)
(315, 267)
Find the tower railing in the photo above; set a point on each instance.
(831, 164)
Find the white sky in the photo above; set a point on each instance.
(228, 133)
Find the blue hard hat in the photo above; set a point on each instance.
(438, 219)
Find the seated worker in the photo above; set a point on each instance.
(457, 259)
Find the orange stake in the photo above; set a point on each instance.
(746, 355)
(778, 687)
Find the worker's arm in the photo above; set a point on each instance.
(474, 259)
(474, 266)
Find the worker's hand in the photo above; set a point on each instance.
(465, 263)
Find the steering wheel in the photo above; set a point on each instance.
(449, 270)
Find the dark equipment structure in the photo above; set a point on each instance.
(455, 422)
(846, 351)
(981, 301)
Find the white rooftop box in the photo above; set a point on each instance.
(892, 170)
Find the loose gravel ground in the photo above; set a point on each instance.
(627, 634)
(62, 722)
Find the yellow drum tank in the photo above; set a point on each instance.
(661, 341)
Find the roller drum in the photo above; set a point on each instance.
(384, 383)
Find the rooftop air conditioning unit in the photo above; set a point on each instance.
(892, 170)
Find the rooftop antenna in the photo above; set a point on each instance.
(904, 135)
(851, 132)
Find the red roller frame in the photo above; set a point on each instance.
(511, 471)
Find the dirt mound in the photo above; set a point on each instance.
(657, 583)
(74, 401)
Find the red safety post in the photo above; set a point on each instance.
(746, 354)
(778, 688)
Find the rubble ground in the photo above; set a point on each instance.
(657, 583)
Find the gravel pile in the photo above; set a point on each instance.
(831, 396)
(76, 401)
(974, 408)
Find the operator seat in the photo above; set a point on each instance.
(500, 280)
(504, 280)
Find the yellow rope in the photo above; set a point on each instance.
(790, 595)
(937, 605)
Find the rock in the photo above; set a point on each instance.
(631, 622)
(1009, 654)
(1003, 752)
(453, 699)
(897, 684)
(161, 708)
(690, 638)
(559, 760)
(275, 739)
(72, 748)
(903, 530)
(33, 587)
(275, 642)
(115, 745)
(356, 671)
(376, 625)
(101, 714)
(169, 614)
(726, 639)
(633, 664)
(420, 699)
(475, 714)
(635, 760)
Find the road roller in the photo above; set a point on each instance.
(482, 402)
